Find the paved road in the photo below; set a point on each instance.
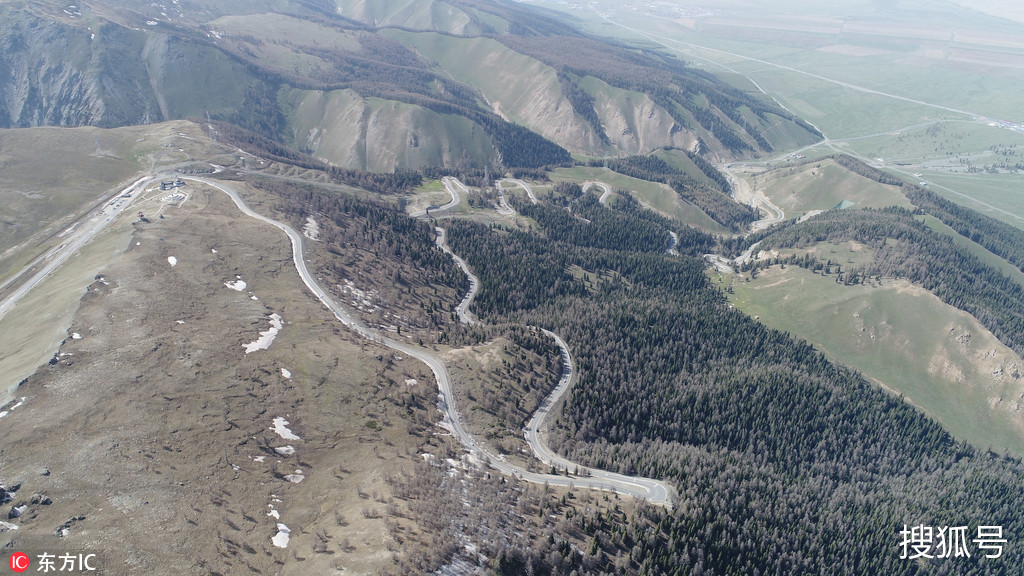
(454, 187)
(760, 201)
(82, 235)
(675, 242)
(656, 492)
(521, 184)
(653, 490)
(465, 316)
(607, 190)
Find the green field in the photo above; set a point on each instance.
(915, 84)
(974, 248)
(941, 359)
(822, 186)
(658, 197)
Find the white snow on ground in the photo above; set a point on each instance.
(285, 450)
(286, 373)
(213, 250)
(258, 458)
(238, 285)
(267, 337)
(253, 297)
(362, 300)
(295, 478)
(410, 382)
(7, 526)
(281, 428)
(281, 539)
(179, 321)
(171, 259)
(311, 230)
(11, 409)
(273, 513)
(76, 336)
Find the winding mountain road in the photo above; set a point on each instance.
(453, 187)
(654, 491)
(607, 190)
(521, 184)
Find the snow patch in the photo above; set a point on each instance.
(274, 513)
(295, 478)
(258, 458)
(238, 285)
(12, 408)
(281, 428)
(179, 321)
(171, 260)
(281, 538)
(362, 300)
(213, 250)
(286, 373)
(411, 382)
(76, 336)
(311, 230)
(267, 337)
(253, 297)
(285, 450)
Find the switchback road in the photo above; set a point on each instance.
(652, 490)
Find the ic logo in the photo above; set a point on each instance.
(19, 561)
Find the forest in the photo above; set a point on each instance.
(785, 463)
(716, 203)
(906, 248)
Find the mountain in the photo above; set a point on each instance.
(374, 86)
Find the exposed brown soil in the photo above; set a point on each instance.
(155, 429)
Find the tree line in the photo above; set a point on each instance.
(785, 463)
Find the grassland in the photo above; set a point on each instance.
(517, 87)
(33, 331)
(822, 186)
(282, 28)
(973, 247)
(910, 83)
(39, 197)
(658, 197)
(941, 359)
(379, 135)
(170, 421)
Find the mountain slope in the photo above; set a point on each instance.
(494, 64)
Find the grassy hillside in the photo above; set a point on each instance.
(38, 199)
(940, 358)
(346, 129)
(653, 195)
(518, 88)
(822, 186)
(415, 14)
(633, 122)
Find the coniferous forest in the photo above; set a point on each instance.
(784, 462)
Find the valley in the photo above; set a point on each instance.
(510, 288)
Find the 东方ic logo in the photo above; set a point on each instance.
(18, 561)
